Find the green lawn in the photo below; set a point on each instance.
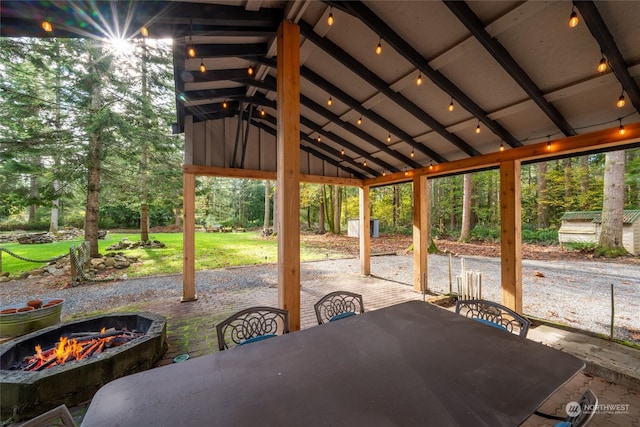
(213, 250)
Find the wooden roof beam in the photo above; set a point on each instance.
(371, 78)
(475, 26)
(377, 25)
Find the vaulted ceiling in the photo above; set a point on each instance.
(514, 71)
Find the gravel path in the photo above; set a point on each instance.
(574, 293)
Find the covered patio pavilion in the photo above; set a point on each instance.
(368, 94)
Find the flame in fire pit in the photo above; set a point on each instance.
(76, 347)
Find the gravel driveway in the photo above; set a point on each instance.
(575, 293)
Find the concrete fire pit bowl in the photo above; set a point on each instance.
(28, 394)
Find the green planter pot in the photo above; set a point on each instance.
(16, 324)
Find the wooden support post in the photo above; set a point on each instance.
(288, 183)
(364, 231)
(511, 235)
(420, 232)
(188, 238)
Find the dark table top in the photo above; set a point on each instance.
(404, 365)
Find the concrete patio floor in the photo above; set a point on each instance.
(191, 330)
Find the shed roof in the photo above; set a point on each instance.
(629, 216)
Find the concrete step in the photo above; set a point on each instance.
(611, 361)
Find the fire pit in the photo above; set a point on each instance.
(27, 393)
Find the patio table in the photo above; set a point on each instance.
(404, 365)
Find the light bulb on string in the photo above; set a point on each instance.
(389, 138)
(621, 101)
(451, 105)
(264, 113)
(548, 142)
(46, 25)
(144, 31)
(330, 18)
(384, 173)
(621, 130)
(359, 121)
(191, 52)
(419, 79)
(319, 139)
(250, 70)
(202, 67)
(602, 65)
(224, 104)
(329, 101)
(364, 163)
(501, 146)
(573, 18)
(412, 153)
(431, 166)
(379, 47)
(342, 152)
(478, 127)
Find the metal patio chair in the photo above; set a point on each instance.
(495, 315)
(338, 305)
(579, 413)
(252, 324)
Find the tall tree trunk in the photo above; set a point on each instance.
(541, 195)
(396, 206)
(144, 155)
(613, 201)
(466, 208)
(568, 182)
(33, 193)
(178, 215)
(584, 181)
(275, 212)
(452, 211)
(327, 197)
(267, 206)
(321, 217)
(337, 208)
(55, 209)
(94, 167)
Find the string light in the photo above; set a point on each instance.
(548, 142)
(250, 70)
(143, 30)
(202, 67)
(192, 50)
(224, 104)
(621, 128)
(573, 18)
(364, 163)
(451, 105)
(389, 138)
(419, 79)
(412, 153)
(406, 172)
(359, 121)
(379, 47)
(431, 166)
(329, 101)
(330, 18)
(342, 151)
(621, 101)
(319, 139)
(264, 113)
(602, 65)
(501, 146)
(384, 173)
(46, 25)
(478, 127)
